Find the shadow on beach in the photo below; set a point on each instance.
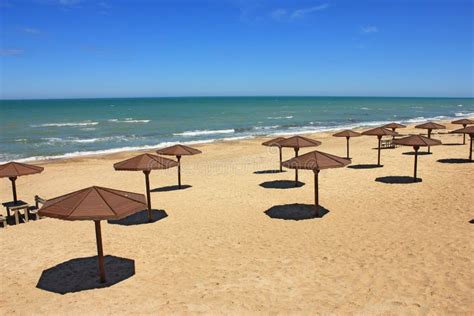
(268, 171)
(452, 144)
(172, 188)
(281, 184)
(140, 218)
(296, 212)
(455, 160)
(82, 274)
(420, 153)
(398, 180)
(365, 166)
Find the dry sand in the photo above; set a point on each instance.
(381, 249)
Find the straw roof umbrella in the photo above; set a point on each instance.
(178, 151)
(416, 141)
(464, 122)
(467, 130)
(393, 126)
(146, 163)
(96, 204)
(347, 134)
(379, 132)
(316, 161)
(274, 143)
(430, 126)
(13, 170)
(297, 142)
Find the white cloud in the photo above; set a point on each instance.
(31, 30)
(369, 29)
(302, 12)
(285, 15)
(10, 52)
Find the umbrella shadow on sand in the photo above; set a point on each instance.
(140, 218)
(268, 171)
(296, 212)
(172, 188)
(281, 184)
(420, 153)
(455, 160)
(81, 274)
(365, 166)
(398, 180)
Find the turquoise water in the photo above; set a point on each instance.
(38, 129)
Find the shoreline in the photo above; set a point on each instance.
(121, 152)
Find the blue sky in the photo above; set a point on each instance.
(84, 48)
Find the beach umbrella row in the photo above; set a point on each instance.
(13, 170)
(464, 123)
(470, 131)
(379, 132)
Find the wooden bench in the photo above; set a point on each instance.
(387, 144)
(34, 209)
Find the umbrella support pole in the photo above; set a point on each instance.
(464, 135)
(416, 161)
(100, 252)
(470, 151)
(179, 171)
(148, 197)
(316, 192)
(378, 156)
(13, 179)
(281, 158)
(296, 169)
(347, 146)
(429, 136)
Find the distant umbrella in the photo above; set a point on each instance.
(393, 126)
(178, 151)
(430, 126)
(316, 161)
(297, 142)
(146, 163)
(379, 132)
(416, 141)
(464, 122)
(96, 204)
(274, 143)
(467, 130)
(13, 170)
(347, 134)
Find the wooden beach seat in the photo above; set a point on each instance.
(387, 144)
(35, 208)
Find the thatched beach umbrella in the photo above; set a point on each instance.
(379, 132)
(470, 131)
(316, 161)
(274, 143)
(393, 126)
(297, 142)
(95, 204)
(146, 163)
(178, 151)
(347, 134)
(464, 122)
(430, 126)
(416, 141)
(13, 170)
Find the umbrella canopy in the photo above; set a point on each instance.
(430, 126)
(146, 163)
(13, 170)
(347, 134)
(297, 142)
(275, 143)
(464, 122)
(394, 126)
(94, 203)
(316, 161)
(416, 141)
(178, 151)
(379, 132)
(470, 131)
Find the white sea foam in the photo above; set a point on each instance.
(280, 117)
(55, 140)
(463, 114)
(364, 108)
(204, 132)
(87, 123)
(128, 120)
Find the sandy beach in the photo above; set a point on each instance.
(403, 248)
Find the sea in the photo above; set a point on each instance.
(53, 129)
